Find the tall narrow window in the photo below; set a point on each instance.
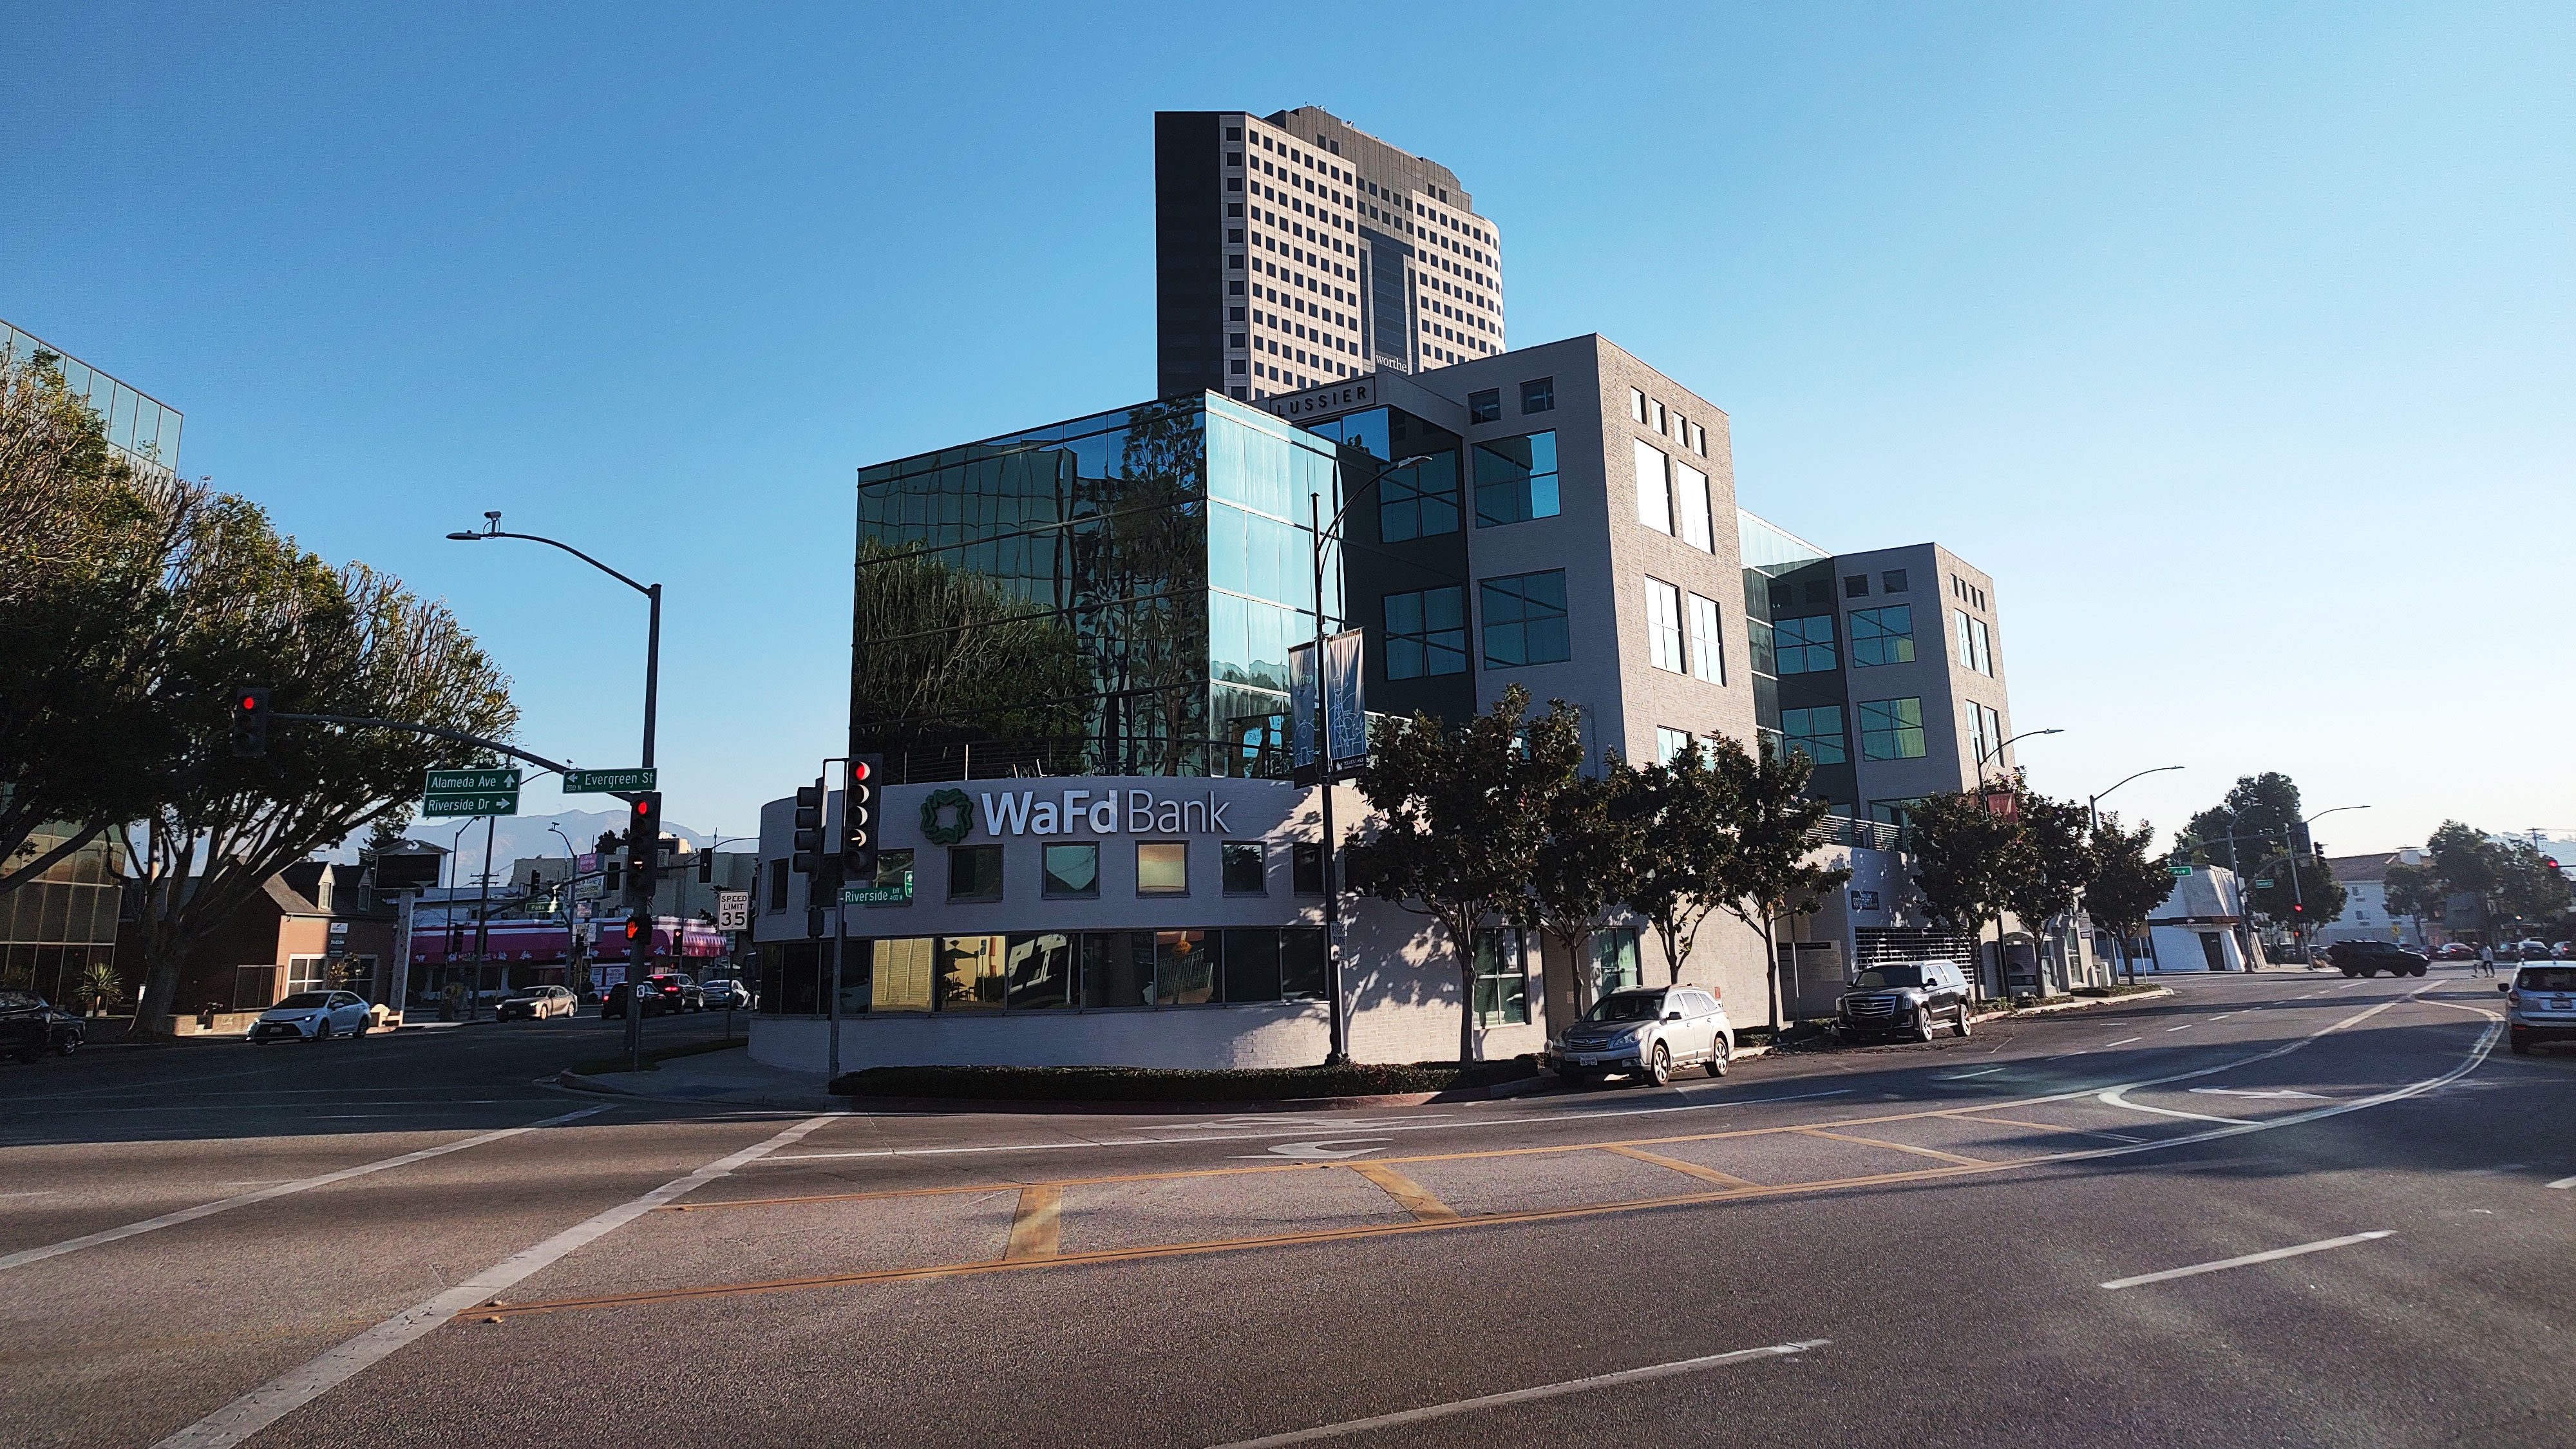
(1669, 744)
(1654, 489)
(1502, 978)
(1664, 625)
(1707, 654)
(1636, 405)
(1690, 501)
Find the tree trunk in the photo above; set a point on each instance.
(1771, 973)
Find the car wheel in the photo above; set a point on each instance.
(1659, 1067)
(321, 1031)
(1717, 1059)
(1923, 1026)
(2348, 971)
(1959, 1024)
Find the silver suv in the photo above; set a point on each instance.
(2540, 1006)
(1905, 997)
(1645, 1033)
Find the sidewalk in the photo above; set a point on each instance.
(725, 1078)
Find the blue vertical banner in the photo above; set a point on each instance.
(1345, 703)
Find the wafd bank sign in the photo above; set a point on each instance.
(949, 816)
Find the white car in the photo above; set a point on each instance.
(536, 1003)
(1645, 1033)
(313, 1016)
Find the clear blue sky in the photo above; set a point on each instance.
(2235, 341)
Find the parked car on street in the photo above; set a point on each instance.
(2564, 950)
(2540, 1006)
(1645, 1033)
(30, 1026)
(2369, 958)
(724, 993)
(313, 1016)
(536, 1003)
(2533, 951)
(1906, 998)
(2457, 951)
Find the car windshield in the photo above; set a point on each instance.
(1879, 978)
(1627, 1006)
(2547, 978)
(529, 993)
(304, 1000)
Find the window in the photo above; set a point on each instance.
(1502, 978)
(894, 868)
(1804, 646)
(1301, 963)
(1817, 731)
(1655, 417)
(1525, 619)
(1856, 586)
(304, 973)
(1614, 960)
(1976, 647)
(1664, 625)
(1419, 501)
(1899, 813)
(1249, 965)
(1985, 733)
(1707, 654)
(1244, 867)
(1538, 395)
(1669, 744)
(1038, 971)
(1892, 582)
(1073, 870)
(1485, 406)
(974, 872)
(1426, 633)
(1636, 405)
(1654, 491)
(1306, 868)
(1891, 729)
(1762, 656)
(778, 885)
(1882, 636)
(1162, 868)
(1699, 440)
(1185, 966)
(1690, 496)
(1516, 479)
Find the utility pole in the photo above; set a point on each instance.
(482, 920)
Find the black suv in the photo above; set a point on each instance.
(1907, 998)
(2369, 958)
(29, 1025)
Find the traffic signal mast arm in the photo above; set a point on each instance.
(513, 751)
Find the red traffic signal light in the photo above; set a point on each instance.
(250, 721)
(2298, 908)
(2550, 861)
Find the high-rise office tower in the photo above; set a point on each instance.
(1292, 249)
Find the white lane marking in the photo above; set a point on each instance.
(290, 1391)
(2124, 1041)
(1523, 1396)
(2250, 1092)
(1406, 1124)
(2316, 1247)
(1319, 1151)
(1980, 1072)
(2186, 1026)
(2564, 1182)
(48, 1192)
(301, 1184)
(2116, 1097)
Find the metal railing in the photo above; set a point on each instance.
(1033, 758)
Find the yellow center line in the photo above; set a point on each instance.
(1893, 1146)
(1704, 1174)
(1412, 1196)
(1035, 1226)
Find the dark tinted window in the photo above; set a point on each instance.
(1485, 406)
(2546, 978)
(1856, 586)
(1628, 1006)
(1538, 395)
(975, 872)
(1892, 581)
(305, 999)
(1881, 978)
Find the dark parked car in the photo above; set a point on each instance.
(1905, 998)
(2369, 958)
(724, 993)
(679, 993)
(2458, 951)
(614, 1003)
(29, 1026)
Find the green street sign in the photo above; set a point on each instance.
(2179, 871)
(451, 793)
(876, 895)
(610, 782)
(2265, 885)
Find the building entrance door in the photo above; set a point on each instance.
(2213, 950)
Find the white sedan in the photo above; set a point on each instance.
(313, 1016)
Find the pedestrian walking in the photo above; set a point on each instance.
(2486, 962)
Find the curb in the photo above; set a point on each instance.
(2078, 1004)
(1519, 1087)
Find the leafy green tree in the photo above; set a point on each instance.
(2249, 826)
(328, 641)
(2527, 889)
(1454, 835)
(1588, 840)
(1966, 858)
(1680, 865)
(2417, 893)
(2506, 878)
(2057, 860)
(2128, 884)
(1770, 871)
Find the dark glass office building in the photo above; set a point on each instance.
(1114, 595)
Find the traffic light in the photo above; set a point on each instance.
(643, 837)
(613, 869)
(2549, 862)
(2298, 910)
(706, 867)
(858, 820)
(250, 721)
(807, 843)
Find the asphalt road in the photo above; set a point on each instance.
(1974, 1242)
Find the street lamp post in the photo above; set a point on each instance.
(1338, 1052)
(2299, 898)
(2093, 826)
(1997, 754)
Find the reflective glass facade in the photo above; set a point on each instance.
(139, 426)
(1114, 595)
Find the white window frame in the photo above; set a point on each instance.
(1665, 648)
(1690, 501)
(1654, 487)
(1707, 644)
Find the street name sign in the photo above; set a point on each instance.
(876, 895)
(451, 793)
(609, 782)
(2179, 872)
